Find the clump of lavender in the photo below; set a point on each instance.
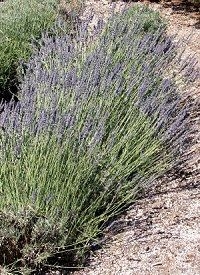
(93, 126)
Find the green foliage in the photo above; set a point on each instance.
(71, 190)
(148, 20)
(21, 21)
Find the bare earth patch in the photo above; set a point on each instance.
(160, 233)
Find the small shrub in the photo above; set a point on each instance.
(93, 127)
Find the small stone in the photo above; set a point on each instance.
(159, 263)
(157, 205)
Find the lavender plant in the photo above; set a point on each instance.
(92, 128)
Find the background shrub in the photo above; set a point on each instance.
(20, 22)
(93, 127)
